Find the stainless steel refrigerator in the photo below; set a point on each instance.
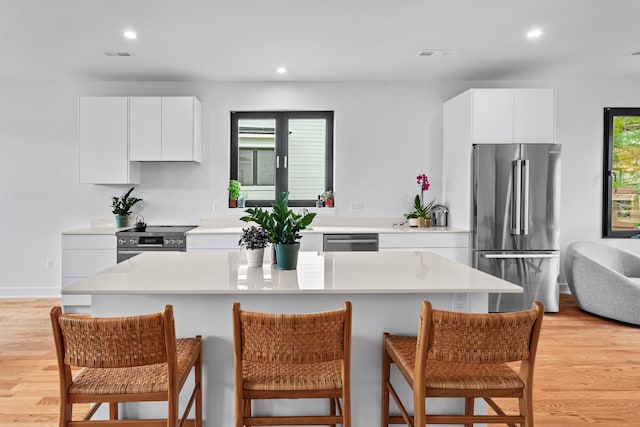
(515, 227)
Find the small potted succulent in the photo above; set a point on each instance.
(234, 192)
(254, 240)
(122, 207)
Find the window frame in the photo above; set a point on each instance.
(608, 174)
(282, 148)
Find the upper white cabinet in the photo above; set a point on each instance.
(494, 116)
(103, 136)
(165, 128)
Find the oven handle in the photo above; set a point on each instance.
(150, 245)
(121, 252)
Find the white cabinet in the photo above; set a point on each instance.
(488, 116)
(207, 242)
(103, 138)
(165, 128)
(494, 116)
(451, 244)
(534, 115)
(83, 255)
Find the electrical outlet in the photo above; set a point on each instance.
(356, 206)
(49, 263)
(459, 302)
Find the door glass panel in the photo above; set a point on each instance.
(256, 157)
(306, 162)
(625, 211)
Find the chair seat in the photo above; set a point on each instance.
(452, 375)
(139, 379)
(292, 377)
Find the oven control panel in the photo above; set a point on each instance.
(151, 242)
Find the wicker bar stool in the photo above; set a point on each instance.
(291, 356)
(125, 359)
(468, 356)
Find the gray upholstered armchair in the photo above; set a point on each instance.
(604, 280)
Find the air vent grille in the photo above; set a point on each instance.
(116, 53)
(434, 52)
(636, 53)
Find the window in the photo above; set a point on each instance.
(275, 151)
(621, 202)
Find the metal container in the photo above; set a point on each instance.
(440, 216)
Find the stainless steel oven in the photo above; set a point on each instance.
(155, 238)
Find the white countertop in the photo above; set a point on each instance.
(226, 272)
(335, 229)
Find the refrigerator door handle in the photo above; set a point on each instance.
(519, 256)
(525, 196)
(516, 199)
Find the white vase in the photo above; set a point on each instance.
(255, 257)
(413, 222)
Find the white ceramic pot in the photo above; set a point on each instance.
(255, 257)
(413, 222)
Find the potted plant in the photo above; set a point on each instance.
(234, 192)
(122, 207)
(282, 227)
(254, 239)
(413, 218)
(327, 198)
(421, 212)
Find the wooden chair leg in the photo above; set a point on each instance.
(332, 409)
(113, 410)
(526, 408)
(198, 384)
(386, 375)
(247, 410)
(468, 409)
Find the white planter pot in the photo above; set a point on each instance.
(413, 222)
(255, 257)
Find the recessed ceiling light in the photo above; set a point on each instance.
(130, 34)
(281, 70)
(535, 33)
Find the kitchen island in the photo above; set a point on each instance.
(386, 289)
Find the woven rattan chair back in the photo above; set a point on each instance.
(464, 355)
(293, 356)
(477, 338)
(121, 342)
(125, 359)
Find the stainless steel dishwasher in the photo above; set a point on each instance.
(350, 242)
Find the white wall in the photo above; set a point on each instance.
(385, 134)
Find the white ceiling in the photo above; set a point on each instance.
(321, 40)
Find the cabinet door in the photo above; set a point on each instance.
(103, 141)
(145, 137)
(534, 115)
(178, 128)
(492, 116)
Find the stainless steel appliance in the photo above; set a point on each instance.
(132, 242)
(440, 216)
(515, 230)
(350, 242)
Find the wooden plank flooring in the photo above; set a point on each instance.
(587, 371)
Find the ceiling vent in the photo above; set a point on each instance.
(434, 52)
(636, 53)
(115, 53)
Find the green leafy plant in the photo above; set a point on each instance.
(253, 238)
(234, 189)
(122, 205)
(281, 225)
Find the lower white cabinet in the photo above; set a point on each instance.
(82, 256)
(451, 244)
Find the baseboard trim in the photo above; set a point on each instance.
(29, 292)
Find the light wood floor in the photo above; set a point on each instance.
(587, 371)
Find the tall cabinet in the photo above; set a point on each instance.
(489, 116)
